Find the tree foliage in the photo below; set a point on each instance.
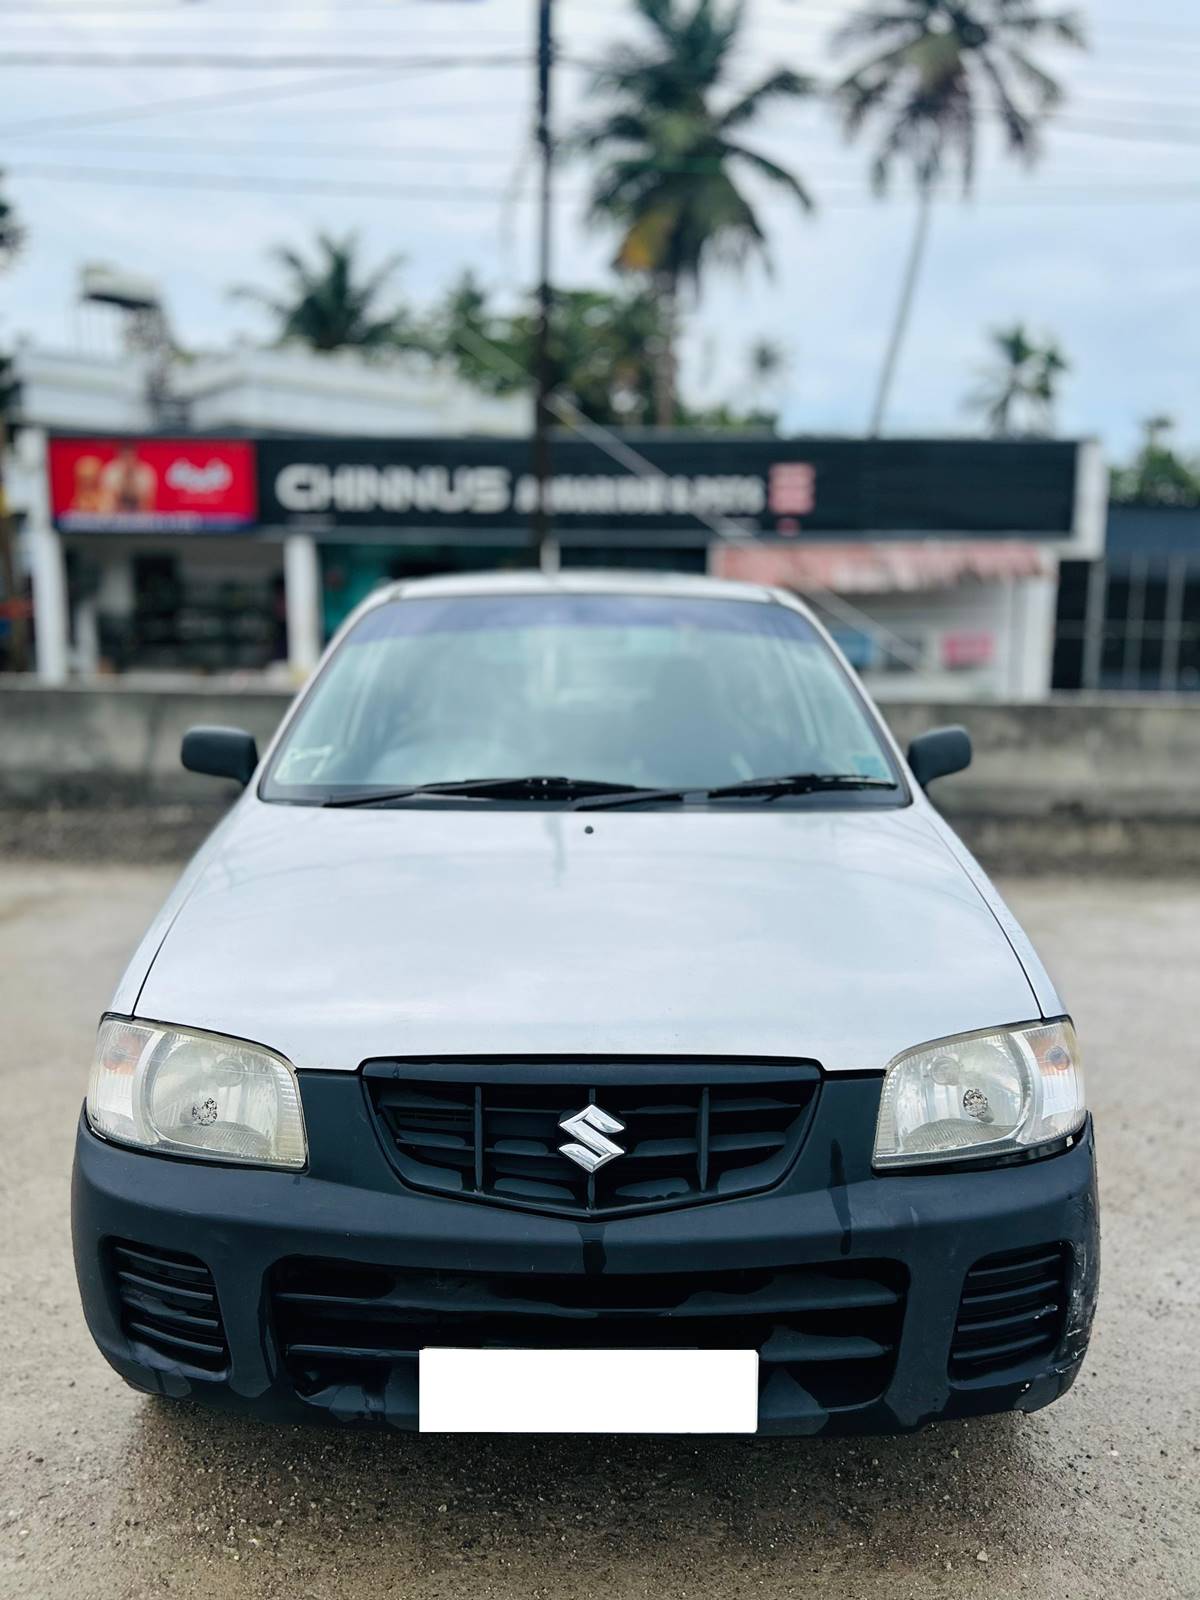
(330, 302)
(12, 234)
(1158, 475)
(935, 68)
(603, 350)
(1017, 394)
(671, 156)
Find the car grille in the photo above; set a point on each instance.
(169, 1304)
(1012, 1309)
(689, 1133)
(826, 1335)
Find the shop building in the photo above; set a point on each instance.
(1131, 619)
(196, 589)
(238, 547)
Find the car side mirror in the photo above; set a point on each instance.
(938, 753)
(220, 753)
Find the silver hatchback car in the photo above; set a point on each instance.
(584, 1021)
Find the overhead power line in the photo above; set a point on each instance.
(840, 158)
(319, 84)
(226, 61)
(452, 192)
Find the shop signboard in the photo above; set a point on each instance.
(731, 486)
(121, 485)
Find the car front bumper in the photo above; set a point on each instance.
(873, 1299)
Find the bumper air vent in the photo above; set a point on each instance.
(1013, 1309)
(169, 1306)
(826, 1335)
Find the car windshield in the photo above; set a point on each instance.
(623, 689)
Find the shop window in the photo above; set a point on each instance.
(1117, 599)
(188, 621)
(1068, 662)
(1073, 590)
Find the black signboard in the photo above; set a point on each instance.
(754, 486)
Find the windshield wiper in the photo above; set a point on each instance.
(770, 788)
(531, 788)
(623, 796)
(799, 783)
(591, 794)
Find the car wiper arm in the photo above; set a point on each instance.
(799, 783)
(772, 788)
(591, 794)
(529, 788)
(631, 797)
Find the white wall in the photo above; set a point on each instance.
(280, 391)
(243, 390)
(296, 391)
(1019, 614)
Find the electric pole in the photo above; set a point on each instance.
(540, 520)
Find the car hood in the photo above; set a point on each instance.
(842, 936)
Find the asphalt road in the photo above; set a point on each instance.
(107, 1494)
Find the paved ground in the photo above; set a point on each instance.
(105, 1495)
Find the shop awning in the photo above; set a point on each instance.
(882, 567)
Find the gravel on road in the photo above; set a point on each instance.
(107, 1495)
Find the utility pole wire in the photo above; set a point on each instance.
(224, 61)
(539, 524)
(620, 451)
(321, 84)
(568, 413)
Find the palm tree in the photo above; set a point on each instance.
(937, 66)
(1158, 475)
(602, 348)
(767, 362)
(1023, 384)
(12, 234)
(12, 237)
(328, 304)
(672, 156)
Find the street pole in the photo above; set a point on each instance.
(540, 520)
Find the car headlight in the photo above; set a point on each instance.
(186, 1093)
(981, 1094)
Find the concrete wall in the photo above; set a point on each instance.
(114, 745)
(1102, 757)
(1080, 780)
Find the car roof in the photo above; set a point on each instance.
(575, 581)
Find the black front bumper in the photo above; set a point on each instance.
(878, 1302)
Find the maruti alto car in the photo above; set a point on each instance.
(584, 1021)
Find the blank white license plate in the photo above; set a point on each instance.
(589, 1391)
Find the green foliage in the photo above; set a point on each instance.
(935, 67)
(603, 351)
(1157, 475)
(481, 346)
(602, 347)
(671, 155)
(12, 238)
(668, 181)
(330, 303)
(12, 234)
(10, 398)
(724, 418)
(1017, 394)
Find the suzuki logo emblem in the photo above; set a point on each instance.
(591, 1127)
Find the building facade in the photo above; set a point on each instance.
(238, 544)
(1131, 619)
(172, 599)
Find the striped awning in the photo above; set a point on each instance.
(881, 567)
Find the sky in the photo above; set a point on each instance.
(191, 173)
